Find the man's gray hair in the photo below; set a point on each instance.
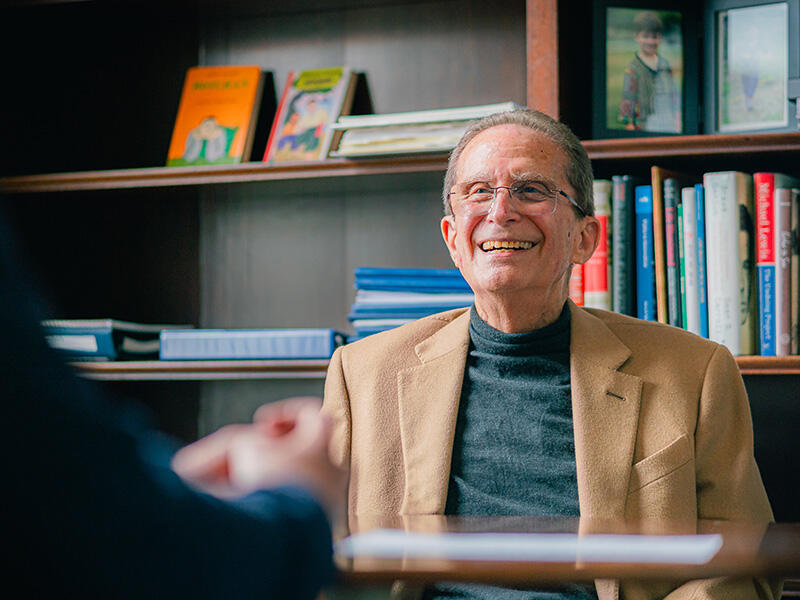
(579, 167)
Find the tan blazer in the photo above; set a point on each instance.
(661, 420)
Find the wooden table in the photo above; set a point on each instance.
(747, 550)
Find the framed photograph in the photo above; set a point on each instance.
(752, 63)
(645, 69)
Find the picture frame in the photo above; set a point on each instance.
(645, 76)
(752, 66)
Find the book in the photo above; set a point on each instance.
(414, 131)
(410, 280)
(784, 198)
(310, 104)
(657, 177)
(596, 271)
(575, 290)
(217, 116)
(672, 251)
(681, 265)
(232, 344)
(688, 220)
(104, 339)
(795, 273)
(765, 184)
(730, 260)
(623, 247)
(702, 279)
(645, 255)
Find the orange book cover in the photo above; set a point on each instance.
(310, 103)
(216, 116)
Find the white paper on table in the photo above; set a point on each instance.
(540, 547)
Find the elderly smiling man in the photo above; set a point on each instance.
(525, 404)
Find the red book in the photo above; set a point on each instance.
(596, 271)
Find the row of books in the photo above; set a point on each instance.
(715, 254)
(388, 297)
(223, 109)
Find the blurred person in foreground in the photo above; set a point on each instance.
(526, 404)
(98, 505)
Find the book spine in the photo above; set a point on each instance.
(576, 285)
(748, 312)
(702, 277)
(691, 304)
(795, 273)
(681, 265)
(671, 251)
(722, 258)
(645, 276)
(659, 246)
(276, 124)
(783, 260)
(596, 290)
(623, 259)
(765, 261)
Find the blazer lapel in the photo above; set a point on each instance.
(428, 395)
(605, 413)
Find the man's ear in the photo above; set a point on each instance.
(448, 225)
(586, 239)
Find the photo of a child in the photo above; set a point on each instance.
(644, 70)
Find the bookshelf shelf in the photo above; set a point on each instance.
(598, 150)
(219, 174)
(692, 145)
(315, 369)
(194, 370)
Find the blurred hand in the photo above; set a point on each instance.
(287, 444)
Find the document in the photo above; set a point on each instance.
(538, 547)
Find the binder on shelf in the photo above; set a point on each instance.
(235, 344)
(105, 339)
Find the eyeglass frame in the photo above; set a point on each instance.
(512, 190)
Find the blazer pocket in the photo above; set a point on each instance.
(662, 463)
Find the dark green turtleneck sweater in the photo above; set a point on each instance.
(514, 448)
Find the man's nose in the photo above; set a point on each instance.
(504, 206)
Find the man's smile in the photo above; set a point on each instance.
(505, 245)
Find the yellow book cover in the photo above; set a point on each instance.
(216, 116)
(310, 103)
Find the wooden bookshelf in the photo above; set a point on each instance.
(202, 370)
(598, 150)
(313, 369)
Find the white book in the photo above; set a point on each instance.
(439, 115)
(690, 260)
(730, 260)
(783, 264)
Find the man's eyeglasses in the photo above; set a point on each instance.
(531, 197)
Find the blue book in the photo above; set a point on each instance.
(411, 284)
(104, 339)
(702, 281)
(403, 272)
(645, 257)
(232, 344)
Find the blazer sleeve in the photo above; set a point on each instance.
(92, 506)
(729, 486)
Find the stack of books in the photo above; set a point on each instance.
(408, 132)
(389, 297)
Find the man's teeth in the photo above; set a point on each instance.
(505, 245)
